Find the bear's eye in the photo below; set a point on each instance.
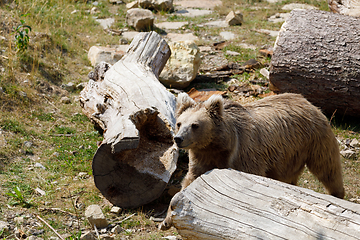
(178, 124)
(194, 126)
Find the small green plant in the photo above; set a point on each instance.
(22, 36)
(18, 198)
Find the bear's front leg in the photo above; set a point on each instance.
(167, 223)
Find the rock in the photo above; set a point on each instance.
(232, 53)
(193, 12)
(131, 5)
(234, 18)
(28, 144)
(99, 54)
(171, 25)
(252, 64)
(162, 5)
(349, 154)
(279, 17)
(129, 35)
(80, 86)
(41, 192)
(203, 4)
(355, 143)
(272, 33)
(115, 210)
(293, 6)
(176, 37)
(265, 73)
(94, 10)
(65, 100)
(70, 87)
(39, 165)
(182, 66)
(228, 35)
(116, 1)
(106, 22)
(218, 23)
(22, 94)
(345, 7)
(140, 19)
(95, 216)
(19, 220)
(170, 238)
(88, 235)
(117, 229)
(4, 226)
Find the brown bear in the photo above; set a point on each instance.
(273, 137)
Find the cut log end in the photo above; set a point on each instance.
(124, 178)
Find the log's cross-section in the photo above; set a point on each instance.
(136, 113)
(317, 54)
(228, 204)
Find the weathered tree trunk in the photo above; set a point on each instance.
(346, 7)
(317, 54)
(228, 204)
(137, 156)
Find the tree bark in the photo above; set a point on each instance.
(228, 204)
(137, 156)
(317, 54)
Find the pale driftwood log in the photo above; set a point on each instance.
(137, 156)
(317, 54)
(228, 204)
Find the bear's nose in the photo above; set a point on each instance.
(178, 140)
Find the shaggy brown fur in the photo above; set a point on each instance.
(273, 137)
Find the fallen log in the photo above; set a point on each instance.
(317, 54)
(137, 157)
(228, 204)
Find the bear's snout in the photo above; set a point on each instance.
(178, 140)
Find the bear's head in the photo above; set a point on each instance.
(196, 121)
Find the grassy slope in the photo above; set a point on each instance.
(64, 141)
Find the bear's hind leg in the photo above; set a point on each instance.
(329, 173)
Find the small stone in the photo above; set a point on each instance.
(98, 54)
(106, 22)
(133, 4)
(355, 143)
(228, 35)
(117, 229)
(41, 192)
(19, 220)
(80, 86)
(116, 210)
(349, 154)
(265, 73)
(94, 10)
(83, 175)
(69, 86)
(95, 216)
(75, 11)
(170, 237)
(140, 19)
(88, 236)
(28, 144)
(234, 18)
(182, 66)
(252, 64)
(65, 100)
(39, 165)
(56, 154)
(232, 53)
(96, 3)
(4, 226)
(22, 94)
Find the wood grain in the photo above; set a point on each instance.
(228, 204)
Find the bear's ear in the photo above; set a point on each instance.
(215, 105)
(183, 102)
